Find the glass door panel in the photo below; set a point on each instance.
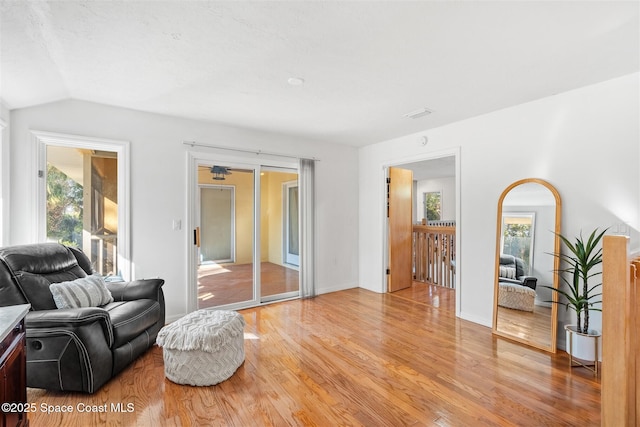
(292, 239)
(279, 276)
(226, 235)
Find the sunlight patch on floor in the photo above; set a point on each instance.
(206, 296)
(210, 268)
(250, 336)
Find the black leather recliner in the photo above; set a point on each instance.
(520, 279)
(77, 349)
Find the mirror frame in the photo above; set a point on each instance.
(556, 265)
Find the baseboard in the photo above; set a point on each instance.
(477, 319)
(327, 290)
(319, 291)
(173, 318)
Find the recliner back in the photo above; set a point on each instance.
(514, 262)
(26, 271)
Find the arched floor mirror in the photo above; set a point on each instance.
(529, 216)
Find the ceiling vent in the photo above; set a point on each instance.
(418, 113)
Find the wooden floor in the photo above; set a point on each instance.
(353, 358)
(220, 284)
(532, 326)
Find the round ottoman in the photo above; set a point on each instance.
(203, 348)
(515, 296)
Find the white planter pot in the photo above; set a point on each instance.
(583, 346)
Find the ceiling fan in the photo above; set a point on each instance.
(219, 172)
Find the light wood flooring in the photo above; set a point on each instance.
(220, 284)
(532, 326)
(354, 358)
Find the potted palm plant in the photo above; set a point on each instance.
(580, 295)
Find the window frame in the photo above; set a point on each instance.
(41, 141)
(531, 216)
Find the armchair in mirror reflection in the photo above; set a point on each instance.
(512, 271)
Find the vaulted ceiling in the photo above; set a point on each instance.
(364, 64)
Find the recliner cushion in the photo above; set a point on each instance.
(36, 289)
(131, 318)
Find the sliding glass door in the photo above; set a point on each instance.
(225, 235)
(291, 223)
(245, 234)
(279, 214)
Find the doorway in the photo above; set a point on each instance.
(246, 233)
(432, 175)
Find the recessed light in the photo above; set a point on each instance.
(418, 113)
(295, 81)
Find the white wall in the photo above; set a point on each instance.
(158, 186)
(584, 142)
(5, 128)
(447, 188)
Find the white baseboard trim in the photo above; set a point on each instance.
(327, 290)
(319, 291)
(174, 317)
(477, 319)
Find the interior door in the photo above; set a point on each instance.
(400, 219)
(217, 223)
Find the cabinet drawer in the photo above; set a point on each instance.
(17, 333)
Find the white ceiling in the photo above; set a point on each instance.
(365, 64)
(443, 167)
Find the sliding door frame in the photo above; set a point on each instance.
(195, 158)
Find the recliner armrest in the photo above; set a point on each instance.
(529, 281)
(138, 289)
(69, 318)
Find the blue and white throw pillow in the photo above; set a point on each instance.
(90, 291)
(507, 272)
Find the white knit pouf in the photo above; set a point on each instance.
(203, 348)
(515, 296)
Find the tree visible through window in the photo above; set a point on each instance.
(64, 208)
(517, 237)
(432, 206)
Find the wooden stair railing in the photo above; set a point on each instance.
(620, 401)
(434, 254)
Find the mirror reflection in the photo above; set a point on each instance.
(528, 216)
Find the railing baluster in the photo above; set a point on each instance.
(434, 253)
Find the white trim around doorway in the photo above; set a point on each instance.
(455, 152)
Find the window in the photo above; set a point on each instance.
(517, 237)
(432, 206)
(82, 193)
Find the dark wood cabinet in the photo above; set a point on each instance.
(13, 368)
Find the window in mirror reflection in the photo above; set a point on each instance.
(432, 206)
(517, 237)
